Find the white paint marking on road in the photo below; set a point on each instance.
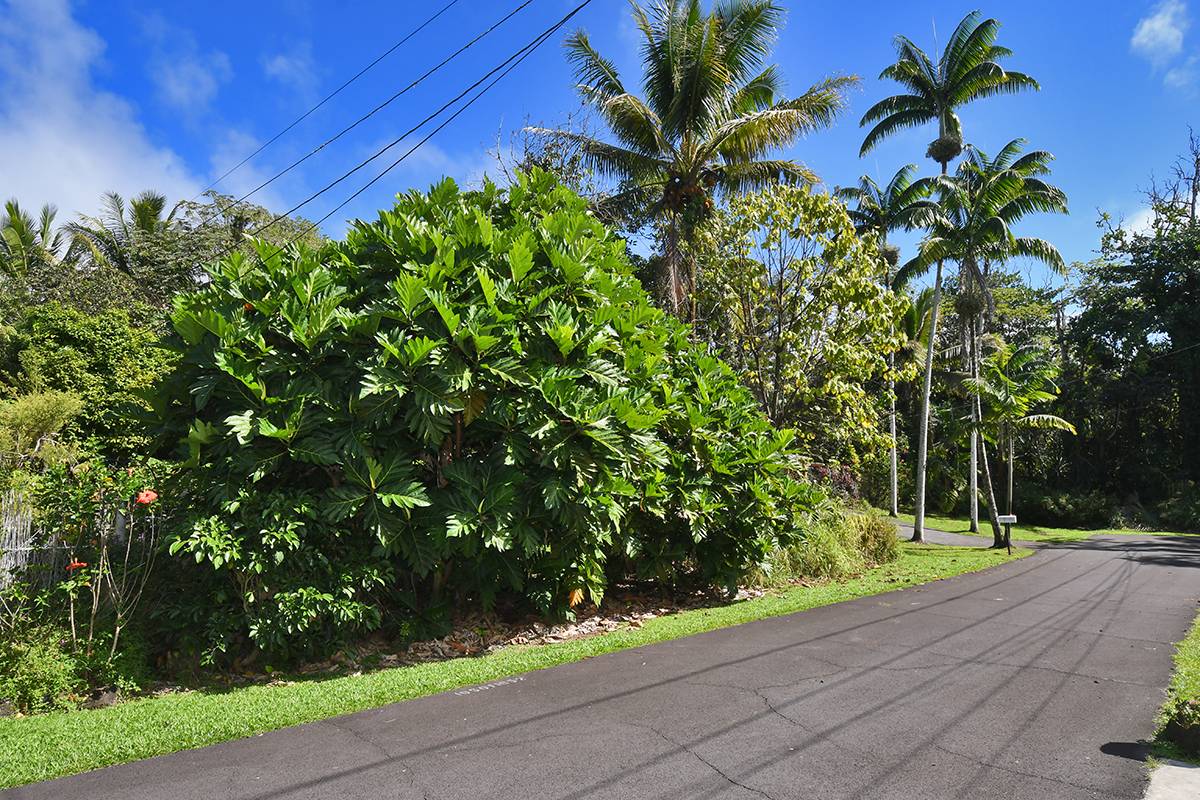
(486, 686)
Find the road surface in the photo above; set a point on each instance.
(1036, 679)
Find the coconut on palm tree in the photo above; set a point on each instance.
(712, 115)
(980, 204)
(968, 69)
(903, 204)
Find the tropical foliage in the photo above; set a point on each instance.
(712, 115)
(468, 398)
(798, 309)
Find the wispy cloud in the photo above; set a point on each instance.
(62, 139)
(1159, 36)
(294, 69)
(185, 77)
(1183, 75)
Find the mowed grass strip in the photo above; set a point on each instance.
(1179, 721)
(53, 745)
(1028, 533)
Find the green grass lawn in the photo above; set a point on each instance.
(1183, 703)
(51, 745)
(1027, 533)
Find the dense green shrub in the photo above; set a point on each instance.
(107, 360)
(468, 399)
(837, 543)
(1181, 511)
(37, 670)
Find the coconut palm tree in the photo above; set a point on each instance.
(968, 69)
(980, 203)
(1011, 383)
(111, 239)
(903, 204)
(712, 115)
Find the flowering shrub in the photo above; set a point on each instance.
(470, 397)
(101, 515)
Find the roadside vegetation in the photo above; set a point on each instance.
(659, 356)
(1179, 721)
(51, 745)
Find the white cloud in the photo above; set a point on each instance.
(1183, 76)
(62, 139)
(186, 78)
(294, 69)
(1141, 221)
(1159, 37)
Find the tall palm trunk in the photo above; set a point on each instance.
(926, 391)
(993, 509)
(973, 368)
(671, 281)
(892, 429)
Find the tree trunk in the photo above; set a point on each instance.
(895, 458)
(973, 484)
(670, 288)
(993, 513)
(926, 391)
(1011, 463)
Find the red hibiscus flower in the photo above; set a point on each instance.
(74, 565)
(146, 496)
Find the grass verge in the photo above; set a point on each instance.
(1028, 533)
(1179, 721)
(52, 745)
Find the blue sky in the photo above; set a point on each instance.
(124, 95)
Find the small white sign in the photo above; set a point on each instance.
(1008, 519)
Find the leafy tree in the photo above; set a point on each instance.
(105, 359)
(712, 115)
(801, 314)
(904, 204)
(1012, 383)
(468, 400)
(968, 69)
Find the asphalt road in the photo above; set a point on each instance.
(1033, 680)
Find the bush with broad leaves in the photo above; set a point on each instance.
(468, 400)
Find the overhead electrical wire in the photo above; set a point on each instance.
(223, 209)
(504, 68)
(328, 97)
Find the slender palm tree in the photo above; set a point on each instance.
(111, 239)
(1010, 384)
(903, 204)
(27, 242)
(980, 203)
(968, 69)
(712, 115)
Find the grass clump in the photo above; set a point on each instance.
(63, 743)
(838, 543)
(1179, 720)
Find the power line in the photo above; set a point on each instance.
(383, 105)
(218, 210)
(327, 98)
(504, 67)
